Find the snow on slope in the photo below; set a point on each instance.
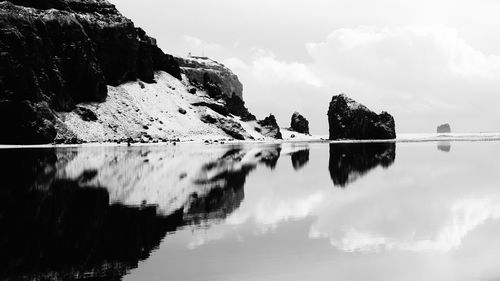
(162, 110)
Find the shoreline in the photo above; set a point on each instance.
(405, 138)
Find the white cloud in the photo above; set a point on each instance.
(268, 69)
(425, 71)
(372, 53)
(273, 85)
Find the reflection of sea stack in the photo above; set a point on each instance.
(348, 162)
(300, 159)
(444, 146)
(444, 128)
(349, 119)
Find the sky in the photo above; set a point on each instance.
(426, 62)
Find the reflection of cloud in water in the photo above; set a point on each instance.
(465, 216)
(381, 214)
(350, 161)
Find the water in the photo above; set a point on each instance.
(405, 211)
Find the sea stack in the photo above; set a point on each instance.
(349, 119)
(299, 123)
(269, 127)
(443, 129)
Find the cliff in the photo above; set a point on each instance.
(218, 81)
(79, 71)
(55, 54)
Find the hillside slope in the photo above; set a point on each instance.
(161, 111)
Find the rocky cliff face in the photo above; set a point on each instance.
(269, 127)
(218, 81)
(76, 71)
(349, 119)
(57, 53)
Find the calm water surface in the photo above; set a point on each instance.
(405, 211)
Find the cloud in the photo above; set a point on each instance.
(375, 53)
(423, 75)
(425, 71)
(273, 85)
(265, 68)
(199, 47)
(268, 69)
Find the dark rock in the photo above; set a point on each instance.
(85, 113)
(65, 52)
(219, 108)
(209, 119)
(236, 106)
(192, 90)
(212, 76)
(351, 120)
(233, 129)
(182, 110)
(299, 124)
(26, 122)
(218, 81)
(444, 128)
(229, 126)
(270, 128)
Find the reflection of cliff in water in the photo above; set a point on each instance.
(350, 161)
(300, 159)
(225, 178)
(68, 228)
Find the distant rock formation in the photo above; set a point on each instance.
(299, 123)
(444, 129)
(350, 161)
(57, 53)
(218, 81)
(349, 119)
(269, 127)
